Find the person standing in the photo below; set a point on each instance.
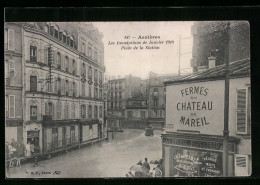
(146, 164)
(27, 150)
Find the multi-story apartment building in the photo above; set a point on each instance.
(62, 102)
(119, 90)
(209, 38)
(157, 99)
(13, 82)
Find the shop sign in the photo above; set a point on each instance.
(197, 107)
(192, 163)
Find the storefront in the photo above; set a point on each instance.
(60, 135)
(90, 130)
(193, 139)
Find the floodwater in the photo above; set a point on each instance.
(111, 158)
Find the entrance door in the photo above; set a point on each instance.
(55, 138)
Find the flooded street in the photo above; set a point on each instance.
(111, 158)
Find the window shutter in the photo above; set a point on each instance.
(70, 65)
(55, 86)
(241, 114)
(12, 69)
(55, 59)
(241, 165)
(70, 89)
(11, 106)
(62, 87)
(62, 61)
(11, 44)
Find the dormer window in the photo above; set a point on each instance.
(46, 28)
(56, 32)
(60, 36)
(52, 30)
(68, 40)
(64, 37)
(71, 42)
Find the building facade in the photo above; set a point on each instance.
(62, 101)
(210, 38)
(193, 140)
(13, 82)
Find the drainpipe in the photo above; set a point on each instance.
(226, 108)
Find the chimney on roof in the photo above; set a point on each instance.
(212, 62)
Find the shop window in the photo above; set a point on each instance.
(11, 106)
(241, 165)
(33, 53)
(11, 43)
(241, 111)
(33, 113)
(83, 111)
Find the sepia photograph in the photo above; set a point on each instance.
(133, 99)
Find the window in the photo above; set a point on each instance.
(60, 36)
(49, 109)
(11, 69)
(120, 95)
(46, 29)
(90, 111)
(74, 67)
(95, 75)
(71, 42)
(129, 114)
(83, 48)
(59, 86)
(73, 107)
(95, 56)
(100, 111)
(142, 114)
(33, 113)
(62, 86)
(67, 64)
(74, 89)
(67, 87)
(90, 52)
(11, 106)
(120, 104)
(156, 113)
(83, 89)
(64, 37)
(96, 112)
(83, 111)
(33, 53)
(11, 43)
(241, 111)
(58, 60)
(72, 134)
(155, 102)
(89, 91)
(56, 34)
(66, 111)
(100, 78)
(116, 95)
(68, 40)
(100, 94)
(59, 108)
(120, 85)
(96, 92)
(52, 30)
(33, 83)
(90, 72)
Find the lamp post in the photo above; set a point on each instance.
(226, 105)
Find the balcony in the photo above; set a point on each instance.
(33, 59)
(47, 118)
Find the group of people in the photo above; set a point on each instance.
(154, 167)
(14, 151)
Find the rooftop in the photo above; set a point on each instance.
(240, 68)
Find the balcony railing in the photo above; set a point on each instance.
(33, 58)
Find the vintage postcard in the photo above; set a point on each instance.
(127, 99)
